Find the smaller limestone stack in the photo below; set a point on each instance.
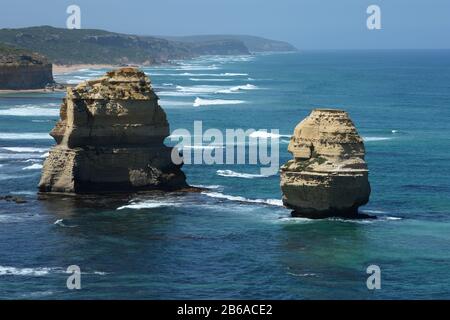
(328, 175)
(110, 138)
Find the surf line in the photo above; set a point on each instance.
(263, 147)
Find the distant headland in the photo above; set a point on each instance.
(69, 48)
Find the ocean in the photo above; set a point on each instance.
(236, 241)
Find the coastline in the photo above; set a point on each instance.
(59, 69)
(31, 91)
(63, 69)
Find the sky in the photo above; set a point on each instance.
(307, 24)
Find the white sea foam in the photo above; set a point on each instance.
(60, 222)
(196, 68)
(13, 271)
(21, 156)
(393, 218)
(294, 220)
(25, 149)
(189, 74)
(174, 94)
(369, 211)
(370, 139)
(199, 89)
(35, 166)
(169, 103)
(74, 81)
(24, 192)
(265, 134)
(302, 274)
(147, 204)
(231, 74)
(9, 218)
(37, 272)
(27, 111)
(14, 177)
(210, 79)
(272, 202)
(205, 186)
(33, 160)
(238, 88)
(234, 174)
(24, 136)
(207, 102)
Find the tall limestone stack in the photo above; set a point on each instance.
(328, 175)
(110, 138)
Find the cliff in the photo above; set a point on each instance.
(110, 139)
(252, 43)
(328, 175)
(80, 46)
(20, 69)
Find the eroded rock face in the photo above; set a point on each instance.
(110, 138)
(21, 70)
(328, 175)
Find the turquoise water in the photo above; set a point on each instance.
(236, 241)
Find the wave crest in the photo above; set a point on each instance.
(208, 102)
(234, 174)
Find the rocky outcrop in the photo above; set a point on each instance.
(21, 70)
(110, 139)
(328, 175)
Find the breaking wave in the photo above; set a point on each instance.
(234, 174)
(238, 88)
(205, 186)
(35, 166)
(25, 136)
(271, 202)
(210, 79)
(370, 139)
(25, 149)
(148, 204)
(13, 271)
(265, 134)
(208, 102)
(27, 111)
(60, 222)
(37, 272)
(190, 74)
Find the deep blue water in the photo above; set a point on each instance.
(216, 245)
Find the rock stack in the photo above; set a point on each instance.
(110, 139)
(328, 175)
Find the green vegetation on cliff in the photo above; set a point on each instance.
(22, 69)
(253, 44)
(64, 46)
(15, 56)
